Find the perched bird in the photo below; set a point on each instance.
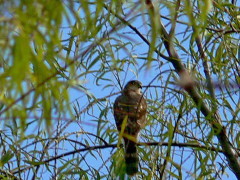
(130, 109)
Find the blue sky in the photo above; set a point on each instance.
(89, 121)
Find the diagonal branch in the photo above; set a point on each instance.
(212, 117)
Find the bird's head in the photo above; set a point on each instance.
(133, 86)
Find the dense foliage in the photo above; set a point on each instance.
(62, 63)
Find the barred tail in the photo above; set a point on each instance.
(131, 157)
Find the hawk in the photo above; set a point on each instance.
(130, 109)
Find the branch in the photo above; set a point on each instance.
(90, 148)
(7, 175)
(188, 84)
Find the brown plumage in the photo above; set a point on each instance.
(130, 109)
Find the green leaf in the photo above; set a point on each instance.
(5, 158)
(34, 163)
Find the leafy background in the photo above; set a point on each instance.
(64, 62)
